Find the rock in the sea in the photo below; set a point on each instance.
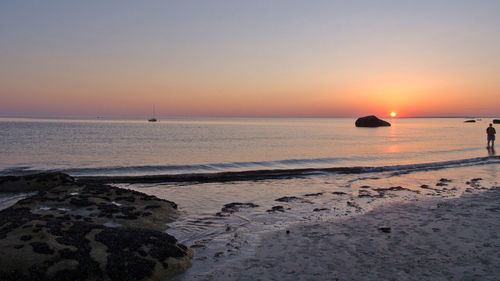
(320, 209)
(339, 193)
(292, 199)
(77, 231)
(392, 188)
(371, 121)
(385, 229)
(313, 194)
(496, 121)
(365, 193)
(470, 121)
(230, 208)
(278, 208)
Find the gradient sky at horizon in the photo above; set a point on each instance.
(249, 58)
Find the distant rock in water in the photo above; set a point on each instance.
(470, 121)
(371, 121)
(496, 121)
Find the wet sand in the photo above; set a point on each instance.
(433, 239)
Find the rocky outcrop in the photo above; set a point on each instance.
(290, 199)
(38, 182)
(230, 208)
(371, 121)
(278, 208)
(496, 121)
(77, 231)
(470, 121)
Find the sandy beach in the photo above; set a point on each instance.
(437, 236)
(435, 239)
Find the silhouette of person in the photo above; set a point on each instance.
(490, 131)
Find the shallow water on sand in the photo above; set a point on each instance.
(218, 239)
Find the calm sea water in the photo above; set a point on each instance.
(332, 168)
(176, 146)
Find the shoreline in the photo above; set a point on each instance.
(395, 228)
(433, 239)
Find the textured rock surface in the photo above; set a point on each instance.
(38, 182)
(371, 121)
(292, 199)
(76, 231)
(230, 208)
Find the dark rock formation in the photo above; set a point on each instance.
(234, 207)
(474, 182)
(371, 121)
(278, 208)
(385, 229)
(392, 188)
(313, 194)
(470, 121)
(354, 205)
(77, 231)
(292, 199)
(364, 193)
(320, 209)
(338, 193)
(38, 182)
(496, 121)
(443, 182)
(382, 191)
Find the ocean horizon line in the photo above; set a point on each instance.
(134, 118)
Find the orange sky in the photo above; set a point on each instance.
(280, 59)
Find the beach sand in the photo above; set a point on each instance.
(433, 239)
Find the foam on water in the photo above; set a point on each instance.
(252, 175)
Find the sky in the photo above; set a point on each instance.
(254, 58)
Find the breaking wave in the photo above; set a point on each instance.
(264, 174)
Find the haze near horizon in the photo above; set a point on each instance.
(249, 58)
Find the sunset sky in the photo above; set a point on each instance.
(252, 58)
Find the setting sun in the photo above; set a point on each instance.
(393, 114)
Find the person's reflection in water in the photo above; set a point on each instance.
(491, 151)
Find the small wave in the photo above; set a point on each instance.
(20, 171)
(264, 174)
(202, 168)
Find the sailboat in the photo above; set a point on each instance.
(153, 119)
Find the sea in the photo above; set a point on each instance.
(281, 171)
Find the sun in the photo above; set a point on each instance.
(393, 114)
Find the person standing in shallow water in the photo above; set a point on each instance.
(490, 131)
